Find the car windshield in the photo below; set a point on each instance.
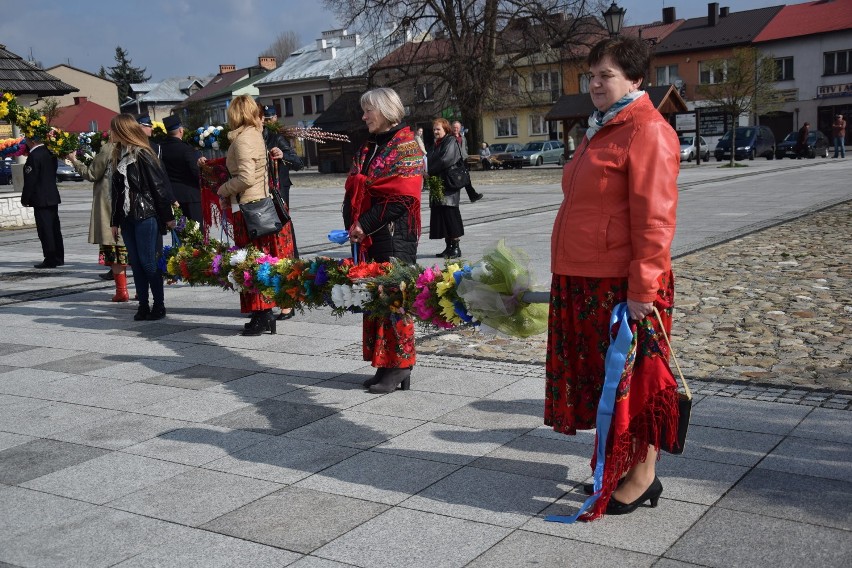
(686, 140)
(794, 137)
(742, 134)
(497, 147)
(533, 146)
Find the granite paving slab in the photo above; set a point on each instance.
(446, 443)
(106, 478)
(799, 498)
(817, 458)
(415, 404)
(282, 459)
(495, 415)
(195, 497)
(522, 548)
(460, 382)
(648, 530)
(82, 364)
(272, 417)
(198, 377)
(32, 357)
(488, 496)
(296, 519)
(40, 457)
(263, 385)
(42, 420)
(196, 445)
(733, 539)
(414, 539)
(544, 458)
(355, 429)
(314, 562)
(330, 394)
(140, 369)
(9, 440)
(747, 415)
(529, 390)
(202, 549)
(383, 478)
(697, 481)
(28, 382)
(120, 431)
(198, 406)
(825, 424)
(76, 389)
(728, 446)
(23, 510)
(135, 396)
(11, 348)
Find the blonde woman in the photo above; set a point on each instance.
(247, 163)
(141, 210)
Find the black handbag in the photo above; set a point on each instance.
(261, 217)
(456, 176)
(684, 404)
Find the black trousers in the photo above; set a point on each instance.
(471, 193)
(192, 210)
(50, 233)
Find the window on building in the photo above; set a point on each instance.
(545, 81)
(538, 125)
(320, 100)
(424, 92)
(288, 107)
(307, 105)
(837, 62)
(667, 75)
(506, 126)
(784, 69)
(513, 84)
(583, 80)
(712, 72)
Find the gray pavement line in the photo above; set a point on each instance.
(32, 295)
(733, 176)
(757, 227)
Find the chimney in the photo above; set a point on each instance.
(669, 15)
(723, 12)
(349, 40)
(267, 63)
(80, 100)
(328, 53)
(226, 69)
(712, 13)
(321, 44)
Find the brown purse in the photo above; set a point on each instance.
(684, 402)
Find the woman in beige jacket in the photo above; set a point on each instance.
(111, 252)
(246, 162)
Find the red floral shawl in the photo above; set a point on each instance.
(394, 175)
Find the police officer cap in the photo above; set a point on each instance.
(144, 120)
(171, 122)
(269, 111)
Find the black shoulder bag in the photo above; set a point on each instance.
(261, 216)
(457, 176)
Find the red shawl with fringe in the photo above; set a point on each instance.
(395, 174)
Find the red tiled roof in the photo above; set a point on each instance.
(657, 31)
(807, 19)
(78, 118)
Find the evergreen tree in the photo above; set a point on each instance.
(124, 73)
(102, 73)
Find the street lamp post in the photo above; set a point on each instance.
(614, 18)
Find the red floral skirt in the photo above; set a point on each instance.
(577, 341)
(279, 245)
(389, 342)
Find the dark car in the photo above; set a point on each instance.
(817, 145)
(6, 171)
(749, 142)
(507, 154)
(64, 172)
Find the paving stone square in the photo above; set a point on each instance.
(39, 457)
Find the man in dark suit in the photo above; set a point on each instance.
(40, 193)
(180, 161)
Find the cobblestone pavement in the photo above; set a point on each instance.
(764, 316)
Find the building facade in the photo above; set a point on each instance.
(100, 91)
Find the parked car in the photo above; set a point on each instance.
(538, 153)
(507, 154)
(687, 147)
(6, 171)
(817, 145)
(749, 142)
(64, 172)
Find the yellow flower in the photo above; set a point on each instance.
(448, 310)
(8, 97)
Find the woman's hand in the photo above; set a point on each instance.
(638, 310)
(356, 233)
(202, 160)
(115, 232)
(71, 157)
(276, 153)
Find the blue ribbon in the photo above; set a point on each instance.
(616, 358)
(339, 236)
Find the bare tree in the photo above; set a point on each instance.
(285, 44)
(467, 46)
(50, 109)
(743, 83)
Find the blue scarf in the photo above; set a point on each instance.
(598, 118)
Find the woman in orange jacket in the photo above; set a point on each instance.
(611, 243)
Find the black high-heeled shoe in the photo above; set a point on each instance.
(652, 494)
(265, 322)
(589, 488)
(285, 315)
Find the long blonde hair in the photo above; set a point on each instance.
(244, 111)
(126, 134)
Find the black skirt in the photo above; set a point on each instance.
(445, 222)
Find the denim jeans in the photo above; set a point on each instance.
(143, 247)
(840, 145)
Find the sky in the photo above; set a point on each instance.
(173, 38)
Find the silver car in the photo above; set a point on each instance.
(538, 153)
(687, 148)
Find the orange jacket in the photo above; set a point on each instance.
(617, 216)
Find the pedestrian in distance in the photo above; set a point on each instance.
(802, 141)
(611, 243)
(42, 194)
(485, 156)
(381, 211)
(445, 221)
(141, 211)
(458, 133)
(111, 250)
(838, 134)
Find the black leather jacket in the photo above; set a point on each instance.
(149, 192)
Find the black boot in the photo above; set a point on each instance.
(454, 251)
(392, 379)
(142, 312)
(253, 321)
(380, 372)
(158, 312)
(265, 321)
(443, 253)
